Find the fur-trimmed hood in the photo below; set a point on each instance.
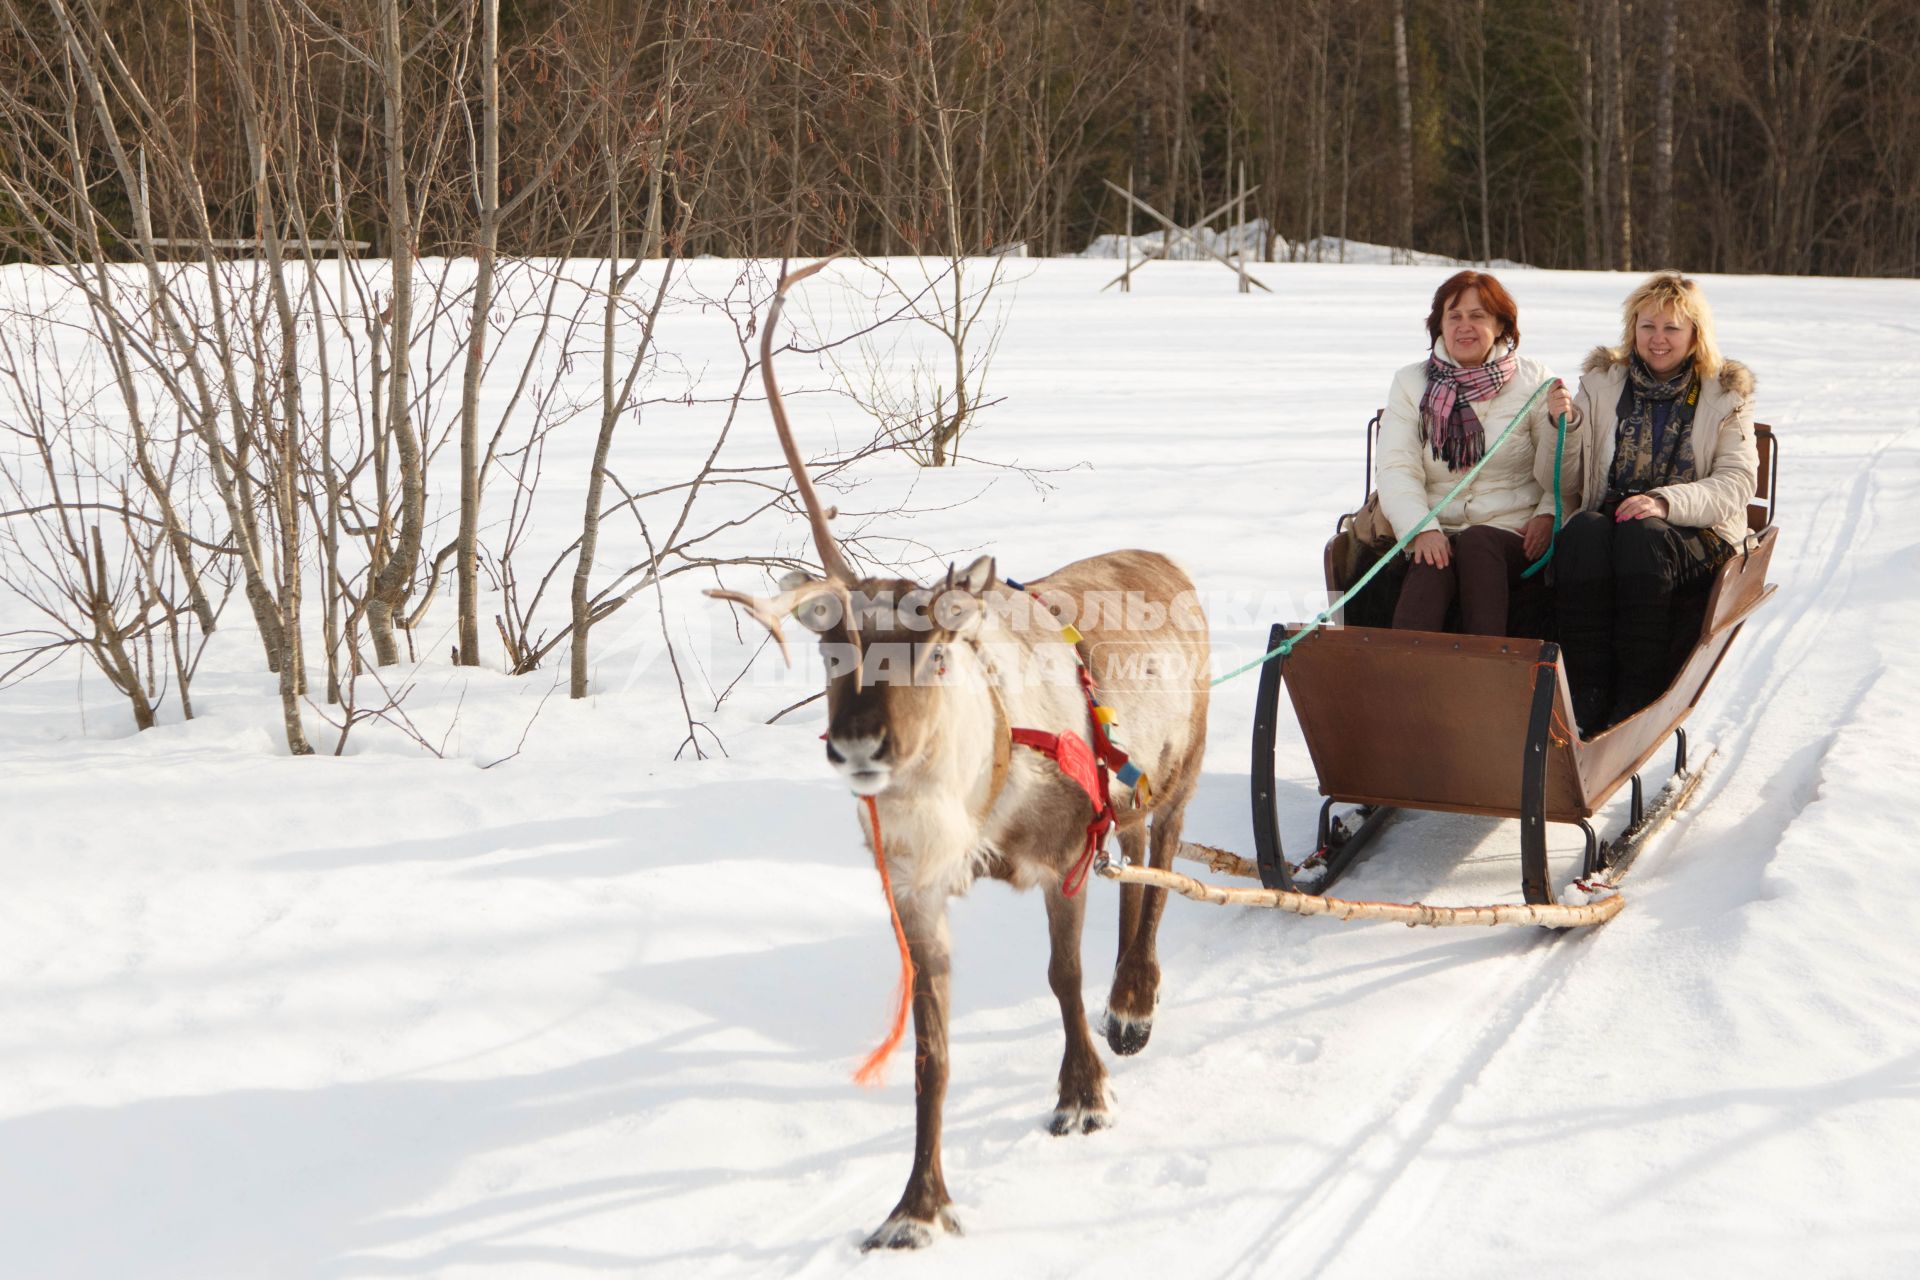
(1735, 378)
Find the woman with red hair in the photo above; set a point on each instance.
(1442, 414)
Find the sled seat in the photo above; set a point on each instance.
(1344, 558)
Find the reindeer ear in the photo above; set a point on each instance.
(956, 602)
(978, 576)
(958, 607)
(793, 578)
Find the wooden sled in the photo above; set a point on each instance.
(1470, 724)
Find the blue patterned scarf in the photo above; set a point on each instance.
(1644, 458)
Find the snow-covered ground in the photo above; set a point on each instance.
(592, 1011)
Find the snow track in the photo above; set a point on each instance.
(1329, 1199)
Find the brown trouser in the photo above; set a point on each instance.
(1485, 568)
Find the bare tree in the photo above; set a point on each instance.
(486, 242)
(1660, 232)
(621, 158)
(80, 543)
(1403, 94)
(193, 341)
(1793, 73)
(394, 572)
(948, 293)
(1617, 75)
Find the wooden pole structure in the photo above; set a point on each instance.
(1175, 233)
(1126, 277)
(1240, 230)
(1558, 915)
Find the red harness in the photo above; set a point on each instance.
(1087, 767)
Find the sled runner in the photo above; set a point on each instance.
(1470, 724)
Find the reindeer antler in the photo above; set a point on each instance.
(769, 610)
(831, 557)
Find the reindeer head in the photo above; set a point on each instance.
(899, 658)
(893, 647)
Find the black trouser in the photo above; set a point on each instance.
(1613, 604)
(1484, 568)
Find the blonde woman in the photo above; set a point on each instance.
(1666, 468)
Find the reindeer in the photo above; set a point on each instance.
(926, 686)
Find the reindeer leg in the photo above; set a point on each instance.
(1083, 1077)
(1133, 850)
(925, 1205)
(1136, 976)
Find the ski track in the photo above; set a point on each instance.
(1803, 613)
(1337, 1193)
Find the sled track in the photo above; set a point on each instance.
(1765, 786)
(1325, 1202)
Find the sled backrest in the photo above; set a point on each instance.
(1760, 511)
(1373, 434)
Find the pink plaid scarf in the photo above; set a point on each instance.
(1453, 430)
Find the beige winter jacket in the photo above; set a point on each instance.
(1723, 448)
(1510, 490)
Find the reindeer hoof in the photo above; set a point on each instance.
(901, 1232)
(1127, 1036)
(1079, 1119)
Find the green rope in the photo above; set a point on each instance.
(1559, 451)
(1286, 646)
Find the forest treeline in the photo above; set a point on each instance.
(1717, 135)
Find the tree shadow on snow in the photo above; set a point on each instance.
(686, 826)
(288, 1183)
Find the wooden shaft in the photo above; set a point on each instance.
(1220, 860)
(1552, 915)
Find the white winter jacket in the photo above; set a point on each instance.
(1510, 490)
(1723, 448)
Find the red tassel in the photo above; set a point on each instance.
(872, 1070)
